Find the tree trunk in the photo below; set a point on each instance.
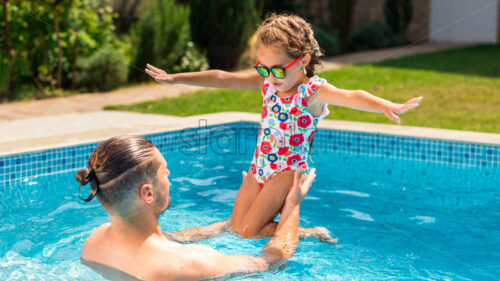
(9, 48)
(45, 56)
(35, 79)
(75, 59)
(59, 50)
(341, 12)
(260, 9)
(6, 34)
(135, 6)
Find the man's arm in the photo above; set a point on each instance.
(198, 233)
(285, 240)
(201, 262)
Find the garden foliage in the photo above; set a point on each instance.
(222, 29)
(104, 70)
(398, 15)
(328, 41)
(341, 12)
(374, 35)
(161, 38)
(44, 41)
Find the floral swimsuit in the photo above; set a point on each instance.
(286, 131)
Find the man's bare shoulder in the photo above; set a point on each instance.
(94, 240)
(159, 258)
(156, 258)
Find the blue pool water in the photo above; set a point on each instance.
(396, 217)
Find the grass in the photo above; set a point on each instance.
(482, 60)
(461, 90)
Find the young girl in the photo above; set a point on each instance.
(294, 101)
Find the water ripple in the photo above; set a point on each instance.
(26, 268)
(51, 248)
(220, 195)
(353, 193)
(199, 182)
(68, 206)
(358, 215)
(423, 219)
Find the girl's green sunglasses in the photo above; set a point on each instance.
(278, 72)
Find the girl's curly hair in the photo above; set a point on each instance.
(292, 33)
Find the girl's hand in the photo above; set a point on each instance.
(392, 110)
(160, 75)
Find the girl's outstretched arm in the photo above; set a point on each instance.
(362, 100)
(211, 78)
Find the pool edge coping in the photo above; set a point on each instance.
(233, 117)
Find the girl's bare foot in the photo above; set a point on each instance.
(319, 233)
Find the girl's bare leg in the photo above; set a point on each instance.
(249, 190)
(259, 222)
(266, 206)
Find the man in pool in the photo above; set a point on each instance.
(129, 177)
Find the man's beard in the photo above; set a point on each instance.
(161, 205)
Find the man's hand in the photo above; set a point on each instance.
(300, 186)
(160, 75)
(392, 110)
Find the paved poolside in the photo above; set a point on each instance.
(80, 128)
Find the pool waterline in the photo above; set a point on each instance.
(19, 167)
(47, 132)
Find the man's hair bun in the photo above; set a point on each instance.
(84, 176)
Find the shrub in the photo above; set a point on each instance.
(40, 57)
(222, 29)
(341, 13)
(162, 38)
(398, 15)
(277, 6)
(4, 76)
(104, 70)
(329, 42)
(372, 36)
(192, 60)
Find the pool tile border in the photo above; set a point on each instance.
(26, 166)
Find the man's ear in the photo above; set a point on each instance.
(146, 193)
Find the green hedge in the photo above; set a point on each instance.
(39, 55)
(161, 38)
(103, 71)
(328, 41)
(372, 36)
(222, 28)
